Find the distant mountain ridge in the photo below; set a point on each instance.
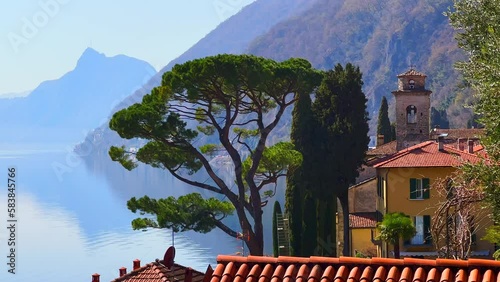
(62, 110)
(383, 37)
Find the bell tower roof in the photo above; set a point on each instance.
(411, 72)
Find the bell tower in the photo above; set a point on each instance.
(413, 103)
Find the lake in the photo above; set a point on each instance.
(73, 220)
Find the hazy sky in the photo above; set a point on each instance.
(43, 39)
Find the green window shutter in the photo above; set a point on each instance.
(427, 229)
(427, 188)
(413, 188)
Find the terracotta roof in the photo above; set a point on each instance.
(350, 269)
(467, 133)
(427, 154)
(157, 272)
(363, 220)
(412, 72)
(383, 150)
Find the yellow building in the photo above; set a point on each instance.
(404, 185)
(406, 169)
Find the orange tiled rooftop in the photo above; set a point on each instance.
(350, 269)
(427, 154)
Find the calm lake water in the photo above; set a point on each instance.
(73, 220)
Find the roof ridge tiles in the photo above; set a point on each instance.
(134, 272)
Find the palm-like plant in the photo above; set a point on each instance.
(396, 226)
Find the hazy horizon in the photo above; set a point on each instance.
(42, 40)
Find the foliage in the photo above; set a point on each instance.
(478, 26)
(188, 212)
(309, 235)
(384, 124)
(236, 102)
(458, 215)
(341, 141)
(300, 177)
(276, 211)
(396, 226)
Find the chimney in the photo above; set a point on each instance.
(440, 143)
(189, 275)
(470, 146)
(95, 277)
(461, 144)
(123, 271)
(137, 264)
(380, 140)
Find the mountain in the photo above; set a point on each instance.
(63, 110)
(383, 38)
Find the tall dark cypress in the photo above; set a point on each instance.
(340, 110)
(384, 124)
(302, 134)
(309, 236)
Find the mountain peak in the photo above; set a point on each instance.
(90, 56)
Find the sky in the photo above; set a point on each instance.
(42, 39)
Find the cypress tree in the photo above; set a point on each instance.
(384, 124)
(298, 178)
(340, 110)
(309, 237)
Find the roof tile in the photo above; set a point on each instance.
(342, 274)
(303, 273)
(363, 220)
(354, 275)
(278, 273)
(290, 273)
(393, 275)
(242, 273)
(427, 154)
(446, 275)
(419, 275)
(367, 274)
(350, 269)
(380, 274)
(315, 274)
(158, 272)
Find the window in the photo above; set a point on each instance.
(423, 228)
(412, 84)
(411, 114)
(419, 188)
